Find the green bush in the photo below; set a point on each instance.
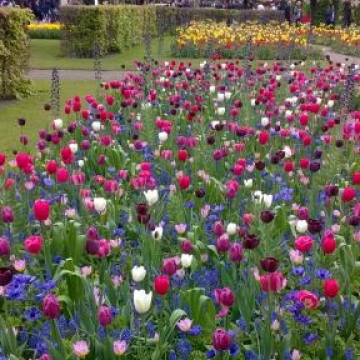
(14, 53)
(44, 34)
(116, 28)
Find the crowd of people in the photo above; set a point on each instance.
(44, 10)
(47, 10)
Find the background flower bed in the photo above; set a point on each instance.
(44, 31)
(245, 167)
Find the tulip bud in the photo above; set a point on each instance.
(221, 340)
(104, 315)
(138, 273)
(100, 205)
(162, 285)
(4, 247)
(7, 214)
(51, 307)
(41, 210)
(186, 260)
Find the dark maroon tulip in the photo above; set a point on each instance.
(314, 226)
(269, 264)
(251, 242)
(354, 220)
(260, 165)
(315, 166)
(92, 247)
(267, 216)
(199, 193)
(142, 209)
(332, 190)
(92, 233)
(6, 275)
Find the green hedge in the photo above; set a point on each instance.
(116, 28)
(14, 53)
(44, 34)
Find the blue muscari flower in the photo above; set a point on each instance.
(302, 319)
(195, 330)
(309, 338)
(210, 354)
(349, 354)
(183, 348)
(102, 333)
(287, 355)
(151, 329)
(241, 323)
(250, 355)
(32, 314)
(234, 349)
(323, 274)
(329, 352)
(41, 348)
(297, 270)
(283, 327)
(126, 335)
(172, 355)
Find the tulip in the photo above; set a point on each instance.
(81, 348)
(33, 244)
(6, 275)
(236, 252)
(138, 273)
(152, 196)
(7, 214)
(184, 325)
(301, 226)
(231, 229)
(248, 183)
(119, 347)
(142, 301)
(41, 210)
(100, 205)
(104, 315)
(157, 233)
(186, 260)
(162, 285)
(96, 126)
(221, 340)
(51, 307)
(58, 124)
(331, 288)
(4, 247)
(163, 136)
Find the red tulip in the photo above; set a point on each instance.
(33, 244)
(328, 245)
(184, 182)
(51, 307)
(356, 178)
(303, 243)
(41, 210)
(309, 299)
(104, 315)
(331, 288)
(348, 194)
(162, 285)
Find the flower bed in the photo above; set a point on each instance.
(187, 214)
(44, 31)
(265, 41)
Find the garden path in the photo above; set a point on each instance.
(111, 75)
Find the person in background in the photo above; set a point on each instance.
(347, 14)
(285, 7)
(297, 12)
(330, 15)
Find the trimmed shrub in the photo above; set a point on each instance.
(116, 28)
(14, 53)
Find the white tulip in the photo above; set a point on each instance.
(220, 97)
(223, 66)
(301, 226)
(142, 301)
(287, 151)
(81, 163)
(318, 100)
(96, 126)
(157, 233)
(258, 197)
(138, 273)
(292, 66)
(267, 200)
(212, 89)
(186, 260)
(330, 103)
(278, 77)
(58, 124)
(152, 196)
(227, 95)
(253, 102)
(74, 147)
(166, 63)
(220, 111)
(100, 204)
(288, 113)
(163, 136)
(265, 121)
(248, 183)
(231, 229)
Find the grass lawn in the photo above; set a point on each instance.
(45, 54)
(32, 109)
